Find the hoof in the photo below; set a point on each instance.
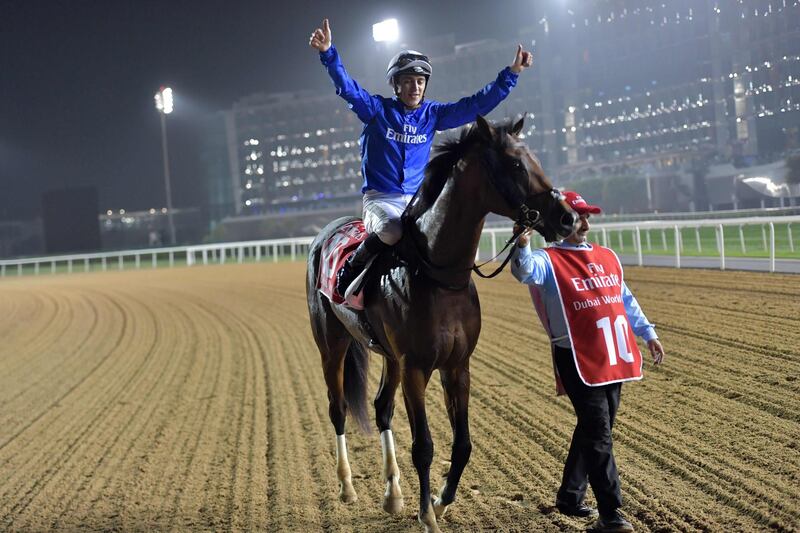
(430, 526)
(393, 497)
(347, 495)
(431, 529)
(393, 504)
(439, 508)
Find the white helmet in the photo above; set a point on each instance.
(408, 62)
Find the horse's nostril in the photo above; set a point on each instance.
(567, 220)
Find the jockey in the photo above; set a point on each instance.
(397, 136)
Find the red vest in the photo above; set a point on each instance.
(590, 288)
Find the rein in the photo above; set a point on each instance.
(528, 219)
(430, 267)
(523, 221)
(512, 240)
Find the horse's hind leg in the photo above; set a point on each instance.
(414, 381)
(333, 341)
(455, 383)
(384, 410)
(333, 368)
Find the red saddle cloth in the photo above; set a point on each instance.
(334, 253)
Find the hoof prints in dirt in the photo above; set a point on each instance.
(192, 399)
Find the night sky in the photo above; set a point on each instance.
(77, 80)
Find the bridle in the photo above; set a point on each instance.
(531, 218)
(527, 218)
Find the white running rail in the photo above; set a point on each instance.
(297, 248)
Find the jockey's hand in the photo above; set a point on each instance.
(321, 38)
(656, 350)
(524, 237)
(523, 60)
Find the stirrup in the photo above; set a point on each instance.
(357, 284)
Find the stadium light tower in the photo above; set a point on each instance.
(385, 31)
(164, 105)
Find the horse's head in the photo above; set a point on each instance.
(519, 188)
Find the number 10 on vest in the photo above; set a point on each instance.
(621, 331)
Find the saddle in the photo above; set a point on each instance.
(333, 255)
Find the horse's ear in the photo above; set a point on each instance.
(484, 128)
(517, 127)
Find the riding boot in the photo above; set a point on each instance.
(357, 261)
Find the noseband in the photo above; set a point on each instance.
(531, 218)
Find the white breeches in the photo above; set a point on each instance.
(382, 213)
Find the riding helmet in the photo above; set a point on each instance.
(408, 62)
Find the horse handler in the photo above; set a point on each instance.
(591, 317)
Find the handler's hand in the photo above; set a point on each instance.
(656, 350)
(321, 38)
(523, 60)
(524, 237)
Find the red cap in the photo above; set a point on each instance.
(579, 205)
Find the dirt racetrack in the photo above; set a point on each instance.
(192, 399)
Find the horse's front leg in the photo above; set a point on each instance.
(455, 383)
(414, 381)
(384, 411)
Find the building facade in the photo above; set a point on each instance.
(650, 91)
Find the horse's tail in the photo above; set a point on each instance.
(356, 365)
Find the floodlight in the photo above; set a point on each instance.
(385, 31)
(164, 100)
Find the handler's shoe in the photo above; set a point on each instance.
(612, 523)
(581, 510)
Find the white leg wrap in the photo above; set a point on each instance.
(346, 492)
(393, 497)
(341, 451)
(389, 457)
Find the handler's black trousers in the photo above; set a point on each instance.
(590, 454)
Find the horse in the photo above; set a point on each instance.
(421, 308)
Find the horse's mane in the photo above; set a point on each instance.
(450, 152)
